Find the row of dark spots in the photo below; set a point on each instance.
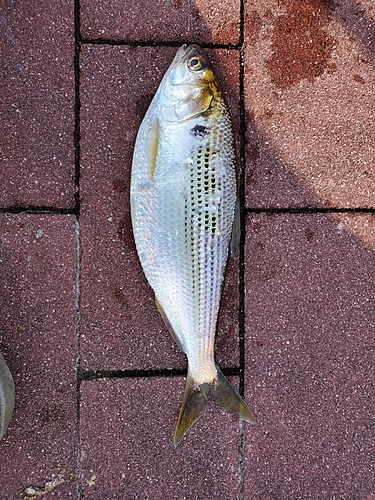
(203, 259)
(205, 184)
(209, 185)
(196, 201)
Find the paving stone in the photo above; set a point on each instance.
(309, 79)
(310, 351)
(198, 21)
(309, 357)
(38, 342)
(37, 104)
(127, 428)
(121, 327)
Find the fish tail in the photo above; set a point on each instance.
(226, 396)
(193, 405)
(195, 401)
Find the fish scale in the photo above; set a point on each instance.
(211, 207)
(183, 201)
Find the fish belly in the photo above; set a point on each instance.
(183, 196)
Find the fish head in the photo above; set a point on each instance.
(189, 86)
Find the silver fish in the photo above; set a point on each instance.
(6, 396)
(183, 203)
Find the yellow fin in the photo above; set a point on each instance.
(226, 396)
(193, 405)
(152, 145)
(195, 401)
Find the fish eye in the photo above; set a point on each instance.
(195, 63)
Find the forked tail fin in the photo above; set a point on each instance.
(195, 401)
(193, 405)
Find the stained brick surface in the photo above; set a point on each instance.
(37, 104)
(310, 353)
(38, 341)
(309, 82)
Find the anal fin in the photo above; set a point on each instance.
(168, 323)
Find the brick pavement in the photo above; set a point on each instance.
(98, 379)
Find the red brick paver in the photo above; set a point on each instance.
(37, 104)
(132, 437)
(309, 351)
(199, 21)
(38, 341)
(99, 381)
(309, 86)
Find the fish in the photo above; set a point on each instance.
(185, 218)
(6, 396)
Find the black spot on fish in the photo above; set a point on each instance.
(199, 131)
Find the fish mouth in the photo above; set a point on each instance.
(193, 50)
(189, 50)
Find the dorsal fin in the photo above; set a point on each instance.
(236, 231)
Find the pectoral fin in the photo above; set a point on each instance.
(152, 145)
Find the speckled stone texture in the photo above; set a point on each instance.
(37, 104)
(309, 84)
(199, 21)
(310, 352)
(304, 125)
(121, 327)
(138, 460)
(38, 342)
